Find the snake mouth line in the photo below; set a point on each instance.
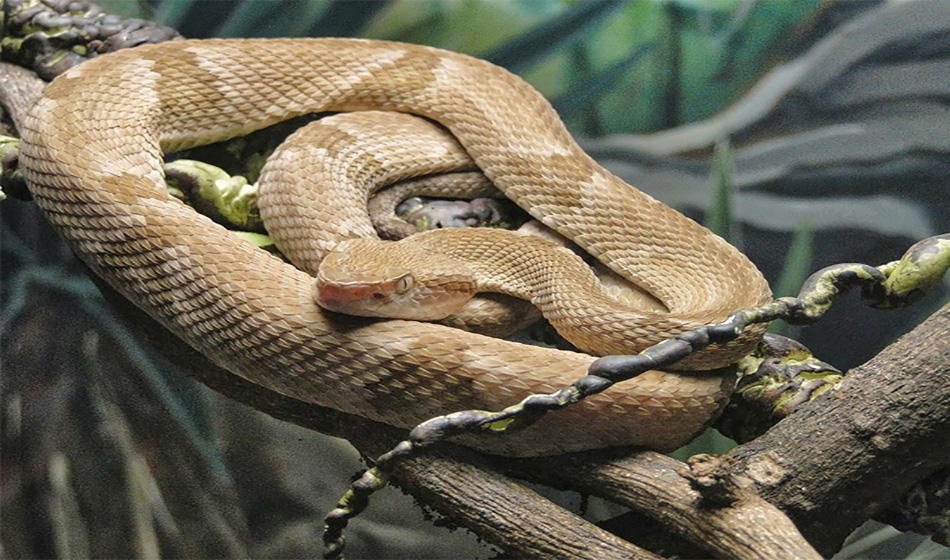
(330, 294)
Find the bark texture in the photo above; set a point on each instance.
(855, 450)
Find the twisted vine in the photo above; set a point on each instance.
(51, 36)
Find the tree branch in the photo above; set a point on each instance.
(858, 448)
(660, 488)
(19, 89)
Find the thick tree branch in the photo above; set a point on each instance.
(506, 513)
(882, 431)
(655, 485)
(855, 450)
(19, 88)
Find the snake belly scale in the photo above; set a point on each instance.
(91, 153)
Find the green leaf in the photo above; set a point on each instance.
(409, 22)
(586, 93)
(254, 18)
(726, 46)
(172, 12)
(719, 217)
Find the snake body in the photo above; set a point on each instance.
(91, 153)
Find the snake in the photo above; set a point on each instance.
(91, 153)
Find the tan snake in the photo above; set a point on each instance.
(91, 154)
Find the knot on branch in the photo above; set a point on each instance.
(925, 508)
(711, 476)
(11, 180)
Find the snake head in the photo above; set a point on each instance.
(373, 278)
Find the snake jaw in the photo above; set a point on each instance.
(349, 282)
(388, 299)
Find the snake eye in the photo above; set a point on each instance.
(404, 284)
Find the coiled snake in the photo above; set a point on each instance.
(91, 153)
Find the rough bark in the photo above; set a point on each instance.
(661, 488)
(18, 88)
(855, 450)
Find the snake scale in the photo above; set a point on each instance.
(91, 153)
